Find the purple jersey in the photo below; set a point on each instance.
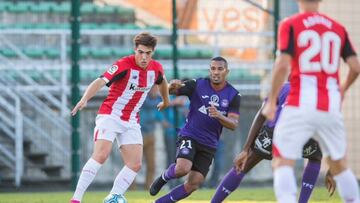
(199, 125)
(280, 103)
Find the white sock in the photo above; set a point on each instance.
(123, 181)
(347, 186)
(87, 175)
(285, 184)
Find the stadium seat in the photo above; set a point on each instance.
(8, 53)
(105, 9)
(87, 8)
(43, 7)
(35, 52)
(18, 8)
(62, 8)
(4, 6)
(100, 53)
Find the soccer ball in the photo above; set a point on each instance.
(115, 198)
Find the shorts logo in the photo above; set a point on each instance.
(224, 103)
(185, 151)
(112, 69)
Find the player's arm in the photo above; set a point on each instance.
(254, 129)
(353, 73)
(231, 121)
(241, 159)
(282, 63)
(91, 90)
(349, 55)
(280, 72)
(178, 87)
(164, 93)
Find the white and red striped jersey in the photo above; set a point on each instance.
(129, 85)
(316, 43)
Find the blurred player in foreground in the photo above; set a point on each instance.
(258, 147)
(312, 44)
(130, 79)
(214, 104)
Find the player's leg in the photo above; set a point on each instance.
(131, 148)
(312, 152)
(233, 179)
(193, 182)
(102, 149)
(332, 140)
(346, 183)
(294, 128)
(186, 151)
(149, 155)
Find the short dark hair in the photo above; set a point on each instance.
(145, 39)
(219, 58)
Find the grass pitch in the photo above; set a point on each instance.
(242, 195)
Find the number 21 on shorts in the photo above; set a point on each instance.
(186, 144)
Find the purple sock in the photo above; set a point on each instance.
(175, 195)
(169, 173)
(310, 176)
(230, 182)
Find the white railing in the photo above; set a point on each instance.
(16, 160)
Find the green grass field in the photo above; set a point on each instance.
(244, 195)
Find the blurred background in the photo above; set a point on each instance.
(36, 80)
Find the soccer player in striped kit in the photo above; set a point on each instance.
(312, 44)
(130, 79)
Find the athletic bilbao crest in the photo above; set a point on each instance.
(112, 69)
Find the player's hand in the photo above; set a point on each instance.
(240, 161)
(330, 183)
(162, 105)
(79, 106)
(269, 111)
(175, 84)
(213, 112)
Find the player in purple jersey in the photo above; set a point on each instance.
(214, 104)
(258, 147)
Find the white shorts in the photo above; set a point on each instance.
(296, 126)
(110, 128)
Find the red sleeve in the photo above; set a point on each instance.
(285, 41)
(118, 69)
(348, 49)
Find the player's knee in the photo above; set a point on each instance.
(135, 166)
(100, 157)
(181, 170)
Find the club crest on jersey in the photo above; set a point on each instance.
(224, 103)
(214, 100)
(112, 69)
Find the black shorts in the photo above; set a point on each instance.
(200, 155)
(263, 145)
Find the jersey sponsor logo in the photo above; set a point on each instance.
(202, 109)
(136, 88)
(214, 100)
(224, 103)
(112, 69)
